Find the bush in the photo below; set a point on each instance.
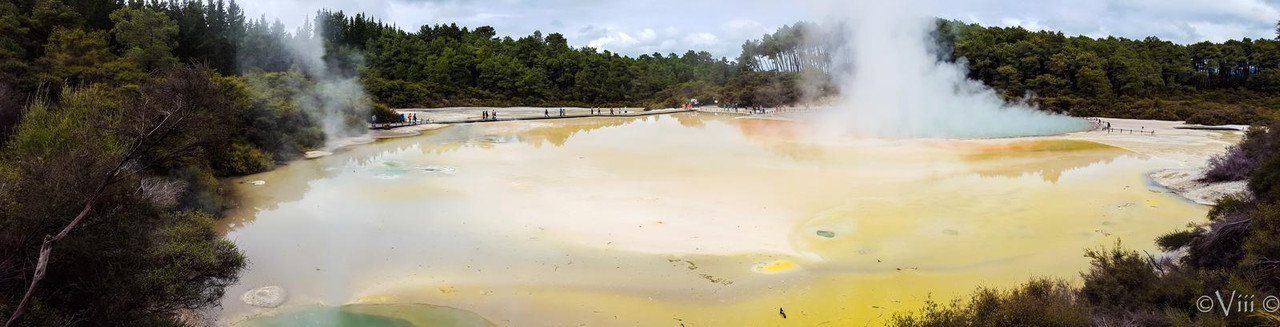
(1262, 246)
(1240, 161)
(1174, 240)
(203, 192)
(242, 159)
(1233, 165)
(1265, 181)
(1040, 302)
(383, 114)
(1118, 279)
(132, 260)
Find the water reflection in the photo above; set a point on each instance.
(1046, 158)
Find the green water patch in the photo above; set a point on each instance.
(372, 315)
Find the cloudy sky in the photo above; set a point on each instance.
(646, 26)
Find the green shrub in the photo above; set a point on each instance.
(1039, 302)
(1118, 279)
(242, 159)
(203, 191)
(1262, 246)
(1176, 239)
(383, 114)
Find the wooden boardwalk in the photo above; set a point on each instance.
(426, 118)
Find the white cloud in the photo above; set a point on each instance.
(701, 39)
(1030, 25)
(720, 26)
(1217, 32)
(648, 34)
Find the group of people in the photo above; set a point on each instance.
(547, 112)
(598, 111)
(561, 112)
(489, 115)
(404, 118)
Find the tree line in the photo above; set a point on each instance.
(1235, 81)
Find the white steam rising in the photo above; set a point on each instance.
(896, 88)
(337, 101)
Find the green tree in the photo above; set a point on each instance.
(146, 35)
(1093, 82)
(75, 56)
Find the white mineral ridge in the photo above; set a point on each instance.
(266, 296)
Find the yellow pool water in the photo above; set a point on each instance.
(694, 219)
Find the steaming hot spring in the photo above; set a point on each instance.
(919, 184)
(696, 218)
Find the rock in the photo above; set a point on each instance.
(826, 233)
(443, 170)
(266, 296)
(316, 154)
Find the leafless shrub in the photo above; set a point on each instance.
(161, 192)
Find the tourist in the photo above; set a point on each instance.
(546, 112)
(494, 115)
(484, 115)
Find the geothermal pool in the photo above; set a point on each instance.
(695, 218)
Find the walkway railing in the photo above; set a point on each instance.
(1100, 125)
(510, 117)
(1129, 131)
(397, 124)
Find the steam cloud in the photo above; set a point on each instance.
(331, 93)
(895, 87)
(337, 101)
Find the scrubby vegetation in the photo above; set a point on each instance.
(1242, 159)
(1040, 302)
(106, 204)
